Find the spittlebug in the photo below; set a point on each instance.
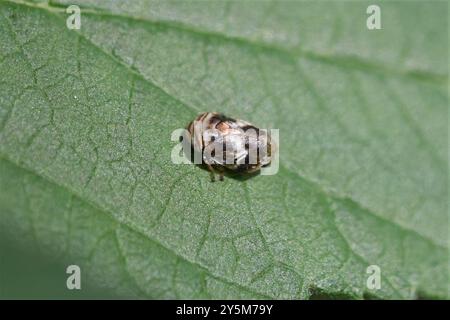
(227, 144)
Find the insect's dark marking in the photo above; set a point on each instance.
(222, 118)
(191, 128)
(247, 127)
(202, 116)
(224, 152)
(242, 168)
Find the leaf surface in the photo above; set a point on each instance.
(86, 119)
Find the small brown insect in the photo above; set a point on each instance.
(227, 144)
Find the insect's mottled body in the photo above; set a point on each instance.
(229, 144)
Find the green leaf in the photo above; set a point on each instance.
(86, 174)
